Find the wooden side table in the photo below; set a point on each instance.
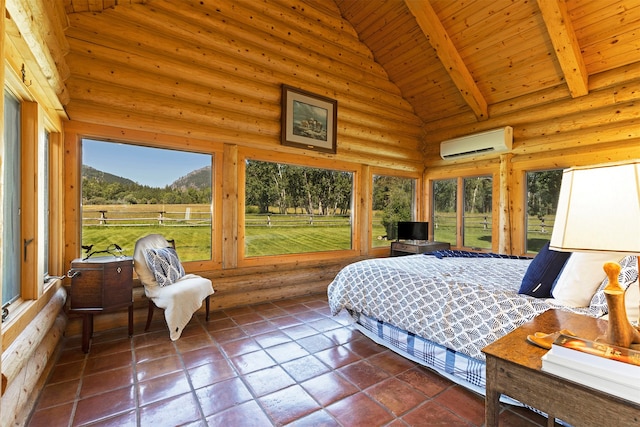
(514, 369)
(100, 285)
(412, 248)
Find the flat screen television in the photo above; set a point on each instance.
(413, 230)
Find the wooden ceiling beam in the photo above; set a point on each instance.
(564, 40)
(449, 56)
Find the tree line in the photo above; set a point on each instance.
(100, 188)
(297, 189)
(543, 189)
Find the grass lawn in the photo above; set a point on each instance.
(287, 234)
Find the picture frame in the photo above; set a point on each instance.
(309, 121)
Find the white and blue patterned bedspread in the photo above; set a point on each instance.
(461, 303)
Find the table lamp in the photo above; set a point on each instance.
(599, 211)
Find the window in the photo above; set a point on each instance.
(445, 210)
(393, 200)
(543, 190)
(293, 209)
(466, 201)
(129, 191)
(44, 156)
(477, 219)
(12, 160)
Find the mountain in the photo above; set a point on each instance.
(199, 179)
(101, 188)
(93, 174)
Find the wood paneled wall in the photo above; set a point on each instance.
(208, 78)
(214, 72)
(608, 115)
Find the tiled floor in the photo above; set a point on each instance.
(283, 363)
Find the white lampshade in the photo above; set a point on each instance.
(599, 209)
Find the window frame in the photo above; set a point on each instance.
(16, 187)
(432, 222)
(469, 171)
(34, 290)
(418, 204)
(525, 203)
(464, 217)
(216, 164)
(313, 162)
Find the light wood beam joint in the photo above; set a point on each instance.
(449, 56)
(565, 43)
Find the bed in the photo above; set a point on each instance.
(440, 310)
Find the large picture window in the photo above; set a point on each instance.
(478, 207)
(12, 160)
(445, 208)
(46, 200)
(393, 200)
(466, 201)
(292, 209)
(543, 190)
(129, 191)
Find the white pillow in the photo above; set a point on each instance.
(628, 279)
(579, 279)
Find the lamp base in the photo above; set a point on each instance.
(620, 331)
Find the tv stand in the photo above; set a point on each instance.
(412, 247)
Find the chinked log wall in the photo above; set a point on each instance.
(210, 77)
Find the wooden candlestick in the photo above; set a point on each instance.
(620, 331)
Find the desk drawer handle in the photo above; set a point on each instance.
(119, 270)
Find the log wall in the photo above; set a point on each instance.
(215, 72)
(208, 78)
(205, 77)
(599, 127)
(26, 363)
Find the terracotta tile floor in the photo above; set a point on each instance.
(283, 363)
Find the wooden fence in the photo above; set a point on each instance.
(193, 217)
(105, 218)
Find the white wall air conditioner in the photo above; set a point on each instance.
(491, 141)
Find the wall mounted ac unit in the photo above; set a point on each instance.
(491, 141)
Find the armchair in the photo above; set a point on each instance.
(166, 286)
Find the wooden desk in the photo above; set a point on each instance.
(100, 285)
(514, 369)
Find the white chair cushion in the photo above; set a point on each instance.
(181, 300)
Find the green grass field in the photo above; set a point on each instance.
(477, 236)
(288, 234)
(192, 243)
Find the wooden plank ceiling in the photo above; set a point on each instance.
(456, 60)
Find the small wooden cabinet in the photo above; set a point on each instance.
(99, 285)
(412, 248)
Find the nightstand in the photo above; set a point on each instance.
(408, 247)
(514, 369)
(99, 285)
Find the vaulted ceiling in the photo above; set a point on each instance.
(459, 61)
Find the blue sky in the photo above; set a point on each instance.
(147, 166)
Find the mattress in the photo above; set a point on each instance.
(458, 367)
